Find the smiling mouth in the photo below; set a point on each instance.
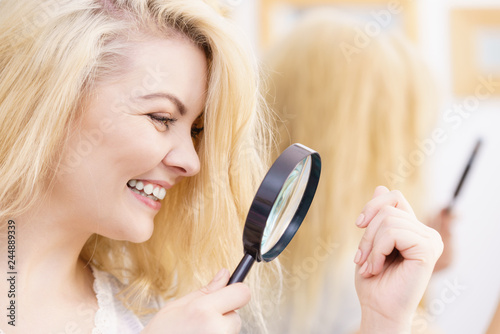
(149, 190)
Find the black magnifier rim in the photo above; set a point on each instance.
(266, 196)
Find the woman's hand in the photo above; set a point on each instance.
(212, 309)
(442, 223)
(395, 261)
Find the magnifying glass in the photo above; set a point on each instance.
(279, 207)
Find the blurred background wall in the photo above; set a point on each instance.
(461, 41)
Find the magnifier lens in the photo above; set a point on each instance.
(279, 207)
(286, 204)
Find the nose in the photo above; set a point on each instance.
(183, 158)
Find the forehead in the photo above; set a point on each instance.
(176, 55)
(173, 65)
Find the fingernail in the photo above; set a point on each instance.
(219, 275)
(363, 268)
(357, 257)
(360, 219)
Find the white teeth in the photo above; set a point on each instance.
(148, 189)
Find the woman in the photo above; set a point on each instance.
(126, 130)
(364, 108)
(102, 101)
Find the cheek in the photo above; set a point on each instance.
(101, 165)
(128, 153)
(117, 154)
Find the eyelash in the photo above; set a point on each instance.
(167, 121)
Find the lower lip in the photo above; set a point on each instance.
(155, 205)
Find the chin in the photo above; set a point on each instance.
(139, 231)
(139, 238)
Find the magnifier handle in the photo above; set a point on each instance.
(242, 270)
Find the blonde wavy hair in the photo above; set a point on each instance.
(363, 108)
(52, 53)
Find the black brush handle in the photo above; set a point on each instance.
(464, 175)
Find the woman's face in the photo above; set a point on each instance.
(134, 141)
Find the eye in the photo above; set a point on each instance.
(163, 121)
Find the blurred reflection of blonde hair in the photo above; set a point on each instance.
(363, 109)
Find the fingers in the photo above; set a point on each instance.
(234, 322)
(218, 282)
(388, 217)
(232, 297)
(219, 296)
(447, 218)
(413, 240)
(211, 309)
(407, 242)
(380, 190)
(391, 224)
(442, 222)
(382, 197)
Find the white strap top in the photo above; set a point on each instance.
(112, 317)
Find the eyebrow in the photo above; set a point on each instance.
(170, 97)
